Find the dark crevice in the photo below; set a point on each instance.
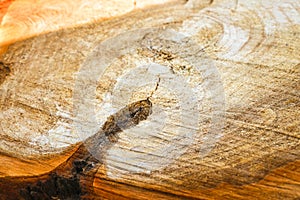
(74, 178)
(4, 71)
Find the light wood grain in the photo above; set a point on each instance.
(254, 47)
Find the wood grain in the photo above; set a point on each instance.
(254, 47)
(22, 19)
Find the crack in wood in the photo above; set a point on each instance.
(155, 89)
(74, 178)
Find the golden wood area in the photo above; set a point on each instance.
(149, 99)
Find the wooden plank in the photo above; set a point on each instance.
(223, 81)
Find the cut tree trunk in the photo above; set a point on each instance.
(196, 99)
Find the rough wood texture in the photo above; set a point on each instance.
(21, 19)
(250, 47)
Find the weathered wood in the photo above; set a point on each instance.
(252, 45)
(24, 19)
(73, 179)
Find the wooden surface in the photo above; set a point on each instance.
(247, 50)
(21, 19)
